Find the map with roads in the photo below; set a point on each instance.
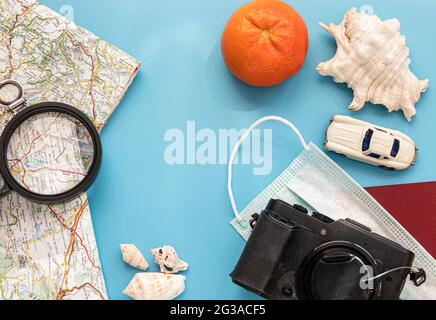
(50, 252)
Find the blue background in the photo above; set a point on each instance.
(139, 199)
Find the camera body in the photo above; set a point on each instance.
(293, 255)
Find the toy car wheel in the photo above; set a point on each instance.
(327, 134)
(416, 156)
(387, 168)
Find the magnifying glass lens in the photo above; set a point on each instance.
(50, 153)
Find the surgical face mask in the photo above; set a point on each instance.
(314, 181)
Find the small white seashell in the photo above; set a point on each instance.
(133, 257)
(373, 59)
(168, 260)
(155, 286)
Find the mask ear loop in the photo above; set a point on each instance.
(241, 141)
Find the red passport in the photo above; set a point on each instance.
(414, 206)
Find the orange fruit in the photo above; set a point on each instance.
(265, 43)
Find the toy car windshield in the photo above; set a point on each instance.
(379, 143)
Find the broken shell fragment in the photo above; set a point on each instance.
(168, 260)
(373, 59)
(132, 256)
(155, 286)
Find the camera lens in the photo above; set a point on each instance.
(334, 271)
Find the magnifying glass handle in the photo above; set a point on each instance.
(4, 188)
(17, 100)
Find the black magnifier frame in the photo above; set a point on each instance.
(27, 113)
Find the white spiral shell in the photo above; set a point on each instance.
(132, 256)
(168, 260)
(373, 59)
(155, 286)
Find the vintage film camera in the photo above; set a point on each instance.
(293, 255)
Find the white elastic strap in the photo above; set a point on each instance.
(392, 271)
(412, 269)
(242, 140)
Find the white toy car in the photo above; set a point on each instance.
(362, 141)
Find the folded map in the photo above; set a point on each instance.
(50, 252)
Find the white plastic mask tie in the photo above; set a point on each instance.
(243, 138)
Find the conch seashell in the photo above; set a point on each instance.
(132, 256)
(155, 286)
(373, 59)
(168, 260)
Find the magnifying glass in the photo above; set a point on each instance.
(50, 152)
